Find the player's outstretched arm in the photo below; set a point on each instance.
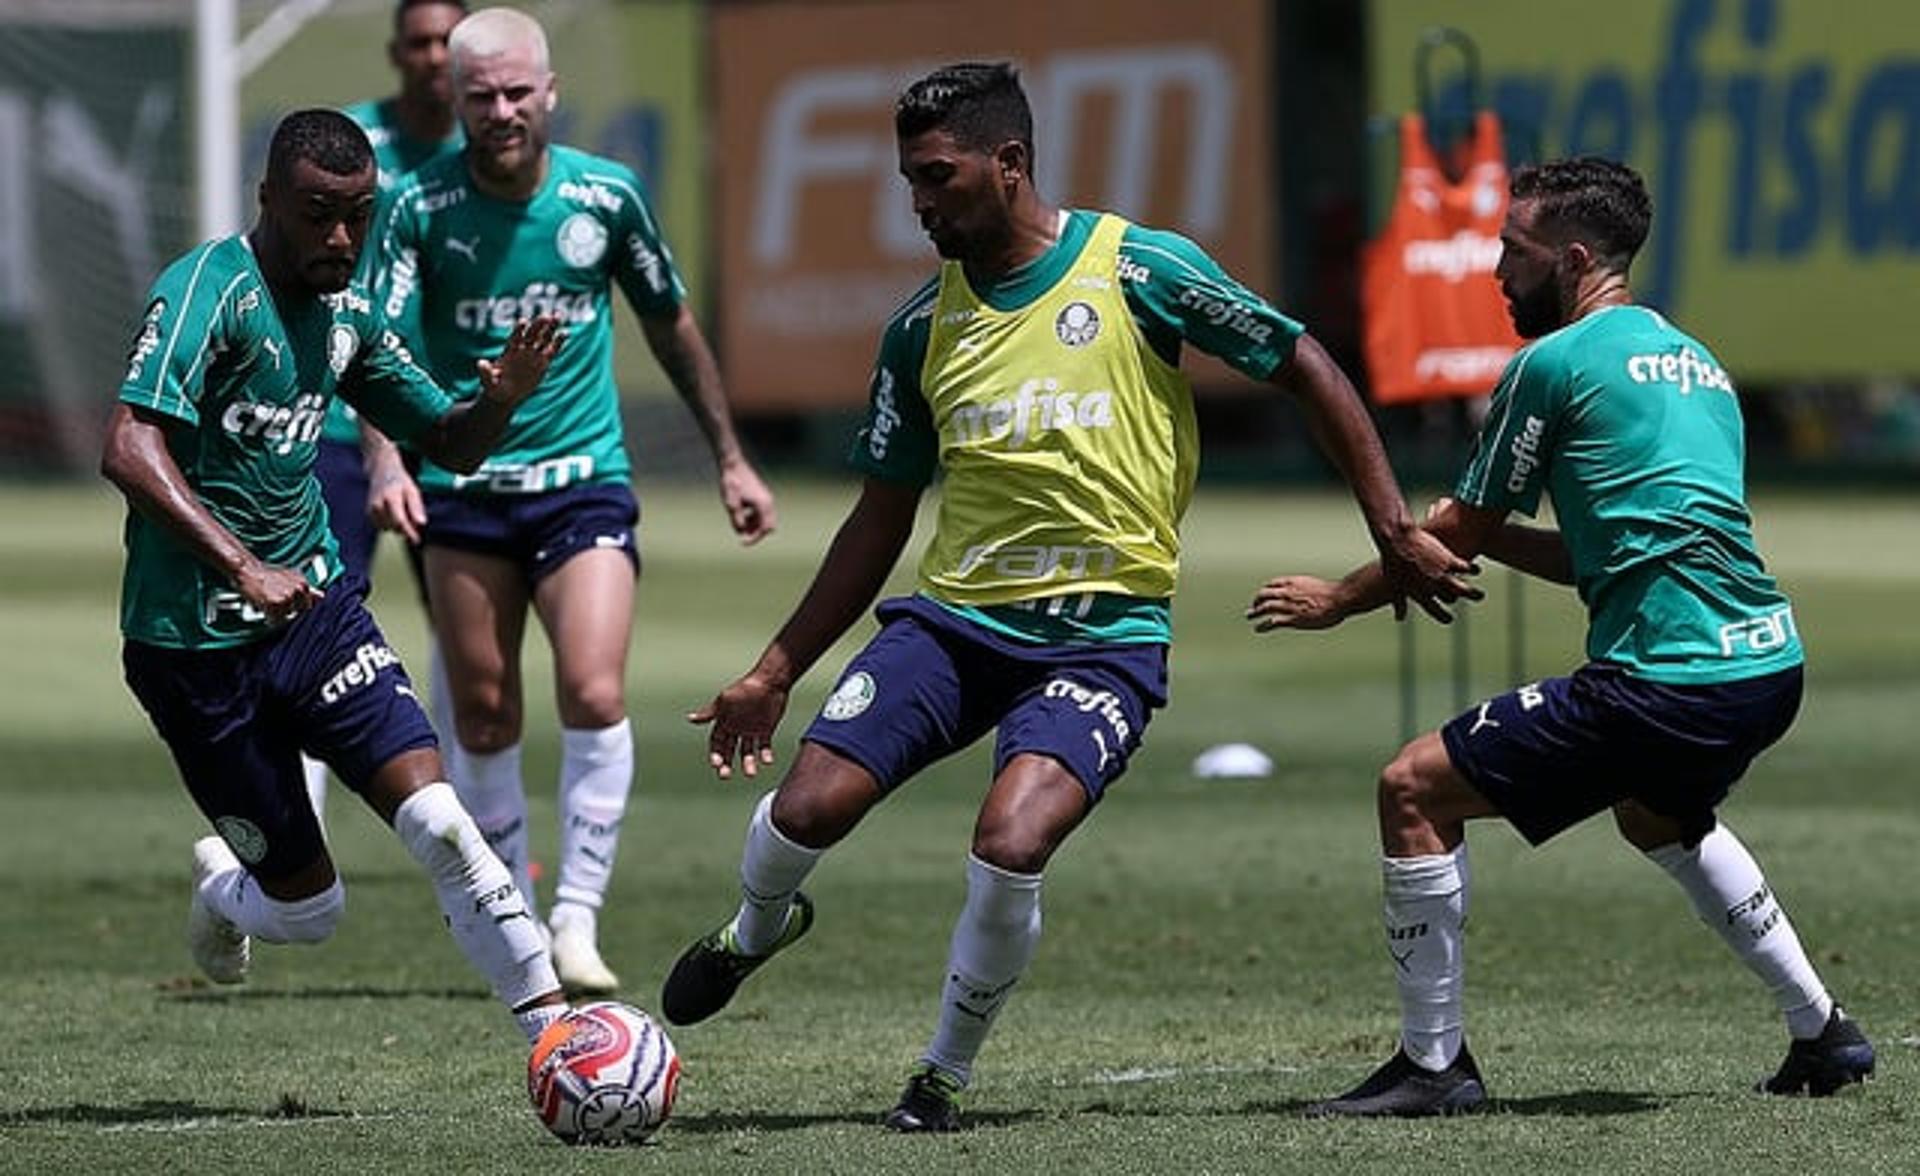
(1308, 602)
(681, 348)
(461, 439)
(863, 552)
(136, 459)
(1416, 565)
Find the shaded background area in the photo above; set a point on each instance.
(1783, 149)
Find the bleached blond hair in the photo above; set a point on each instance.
(493, 31)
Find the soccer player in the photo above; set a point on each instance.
(246, 639)
(514, 226)
(1038, 370)
(1694, 665)
(363, 476)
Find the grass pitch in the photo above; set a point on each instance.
(1212, 957)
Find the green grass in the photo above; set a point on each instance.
(1212, 956)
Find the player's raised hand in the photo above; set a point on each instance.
(280, 593)
(511, 377)
(1297, 602)
(743, 717)
(748, 501)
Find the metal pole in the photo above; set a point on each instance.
(216, 117)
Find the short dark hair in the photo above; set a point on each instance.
(1601, 201)
(401, 6)
(325, 138)
(980, 104)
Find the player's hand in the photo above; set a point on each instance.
(511, 377)
(394, 502)
(280, 593)
(1297, 602)
(1419, 567)
(743, 717)
(748, 501)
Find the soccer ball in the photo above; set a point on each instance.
(603, 1074)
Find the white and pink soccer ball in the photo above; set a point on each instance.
(603, 1074)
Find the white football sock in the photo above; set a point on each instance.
(1731, 895)
(771, 869)
(235, 896)
(596, 776)
(993, 941)
(1425, 913)
(489, 787)
(534, 1019)
(315, 772)
(484, 910)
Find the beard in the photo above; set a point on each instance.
(1536, 312)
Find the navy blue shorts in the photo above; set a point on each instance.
(1553, 753)
(930, 683)
(237, 719)
(539, 532)
(343, 483)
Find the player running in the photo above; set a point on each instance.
(1038, 370)
(246, 638)
(1694, 665)
(514, 226)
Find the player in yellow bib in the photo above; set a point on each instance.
(1039, 371)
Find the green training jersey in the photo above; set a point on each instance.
(1634, 430)
(245, 376)
(459, 268)
(395, 154)
(1053, 402)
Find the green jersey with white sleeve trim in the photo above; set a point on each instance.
(245, 376)
(458, 268)
(1633, 428)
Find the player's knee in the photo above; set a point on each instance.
(311, 919)
(1011, 850)
(1403, 789)
(487, 728)
(809, 818)
(593, 704)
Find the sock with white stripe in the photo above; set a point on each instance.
(1731, 895)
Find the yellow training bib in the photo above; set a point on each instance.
(1069, 446)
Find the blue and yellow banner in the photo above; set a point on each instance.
(1780, 140)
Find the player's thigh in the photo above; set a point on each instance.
(586, 607)
(479, 616)
(239, 760)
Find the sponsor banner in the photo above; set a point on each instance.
(1157, 111)
(1781, 145)
(630, 88)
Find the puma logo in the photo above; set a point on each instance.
(470, 249)
(1482, 721)
(271, 348)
